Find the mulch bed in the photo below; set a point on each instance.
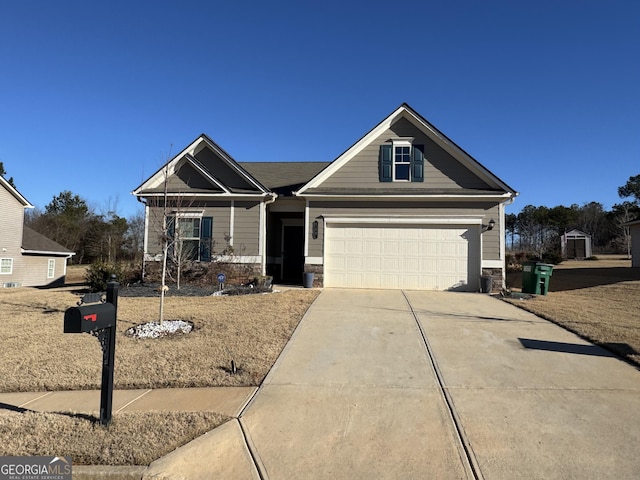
(186, 290)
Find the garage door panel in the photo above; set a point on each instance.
(400, 256)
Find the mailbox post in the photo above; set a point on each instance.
(99, 319)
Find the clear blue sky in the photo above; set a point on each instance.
(95, 95)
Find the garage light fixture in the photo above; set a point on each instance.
(486, 228)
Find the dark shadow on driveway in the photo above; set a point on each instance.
(471, 317)
(576, 348)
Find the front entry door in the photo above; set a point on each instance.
(292, 253)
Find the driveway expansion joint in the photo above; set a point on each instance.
(467, 455)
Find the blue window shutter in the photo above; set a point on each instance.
(417, 163)
(206, 234)
(386, 163)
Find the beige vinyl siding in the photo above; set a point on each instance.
(220, 211)
(34, 269)
(246, 228)
(441, 170)
(635, 245)
(12, 215)
(490, 239)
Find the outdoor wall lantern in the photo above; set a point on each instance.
(314, 229)
(492, 223)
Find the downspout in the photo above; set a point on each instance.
(263, 231)
(145, 240)
(503, 241)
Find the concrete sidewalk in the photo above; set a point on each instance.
(229, 401)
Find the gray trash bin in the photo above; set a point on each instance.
(307, 279)
(486, 284)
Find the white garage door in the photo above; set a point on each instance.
(424, 257)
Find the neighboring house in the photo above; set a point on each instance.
(27, 258)
(403, 207)
(634, 228)
(575, 245)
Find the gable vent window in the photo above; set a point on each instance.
(401, 161)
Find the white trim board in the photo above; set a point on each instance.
(407, 220)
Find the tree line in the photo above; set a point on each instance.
(95, 236)
(537, 229)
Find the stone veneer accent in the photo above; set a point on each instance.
(318, 274)
(497, 275)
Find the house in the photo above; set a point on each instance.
(634, 228)
(27, 258)
(575, 245)
(403, 207)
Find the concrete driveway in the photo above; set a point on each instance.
(490, 391)
(414, 385)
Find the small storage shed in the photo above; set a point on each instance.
(634, 227)
(576, 245)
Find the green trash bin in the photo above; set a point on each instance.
(535, 277)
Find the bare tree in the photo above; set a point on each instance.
(624, 213)
(134, 236)
(176, 242)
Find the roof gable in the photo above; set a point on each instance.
(202, 167)
(13, 191)
(576, 233)
(454, 168)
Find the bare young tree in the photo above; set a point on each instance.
(170, 212)
(624, 213)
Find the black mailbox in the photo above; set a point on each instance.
(99, 319)
(88, 318)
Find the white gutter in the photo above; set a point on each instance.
(44, 252)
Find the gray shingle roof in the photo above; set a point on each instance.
(36, 242)
(283, 177)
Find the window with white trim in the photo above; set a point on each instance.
(187, 236)
(6, 266)
(401, 161)
(51, 268)
(190, 237)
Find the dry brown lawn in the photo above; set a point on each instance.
(252, 330)
(599, 300)
(75, 274)
(131, 439)
(249, 329)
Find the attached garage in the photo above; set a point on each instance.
(402, 256)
